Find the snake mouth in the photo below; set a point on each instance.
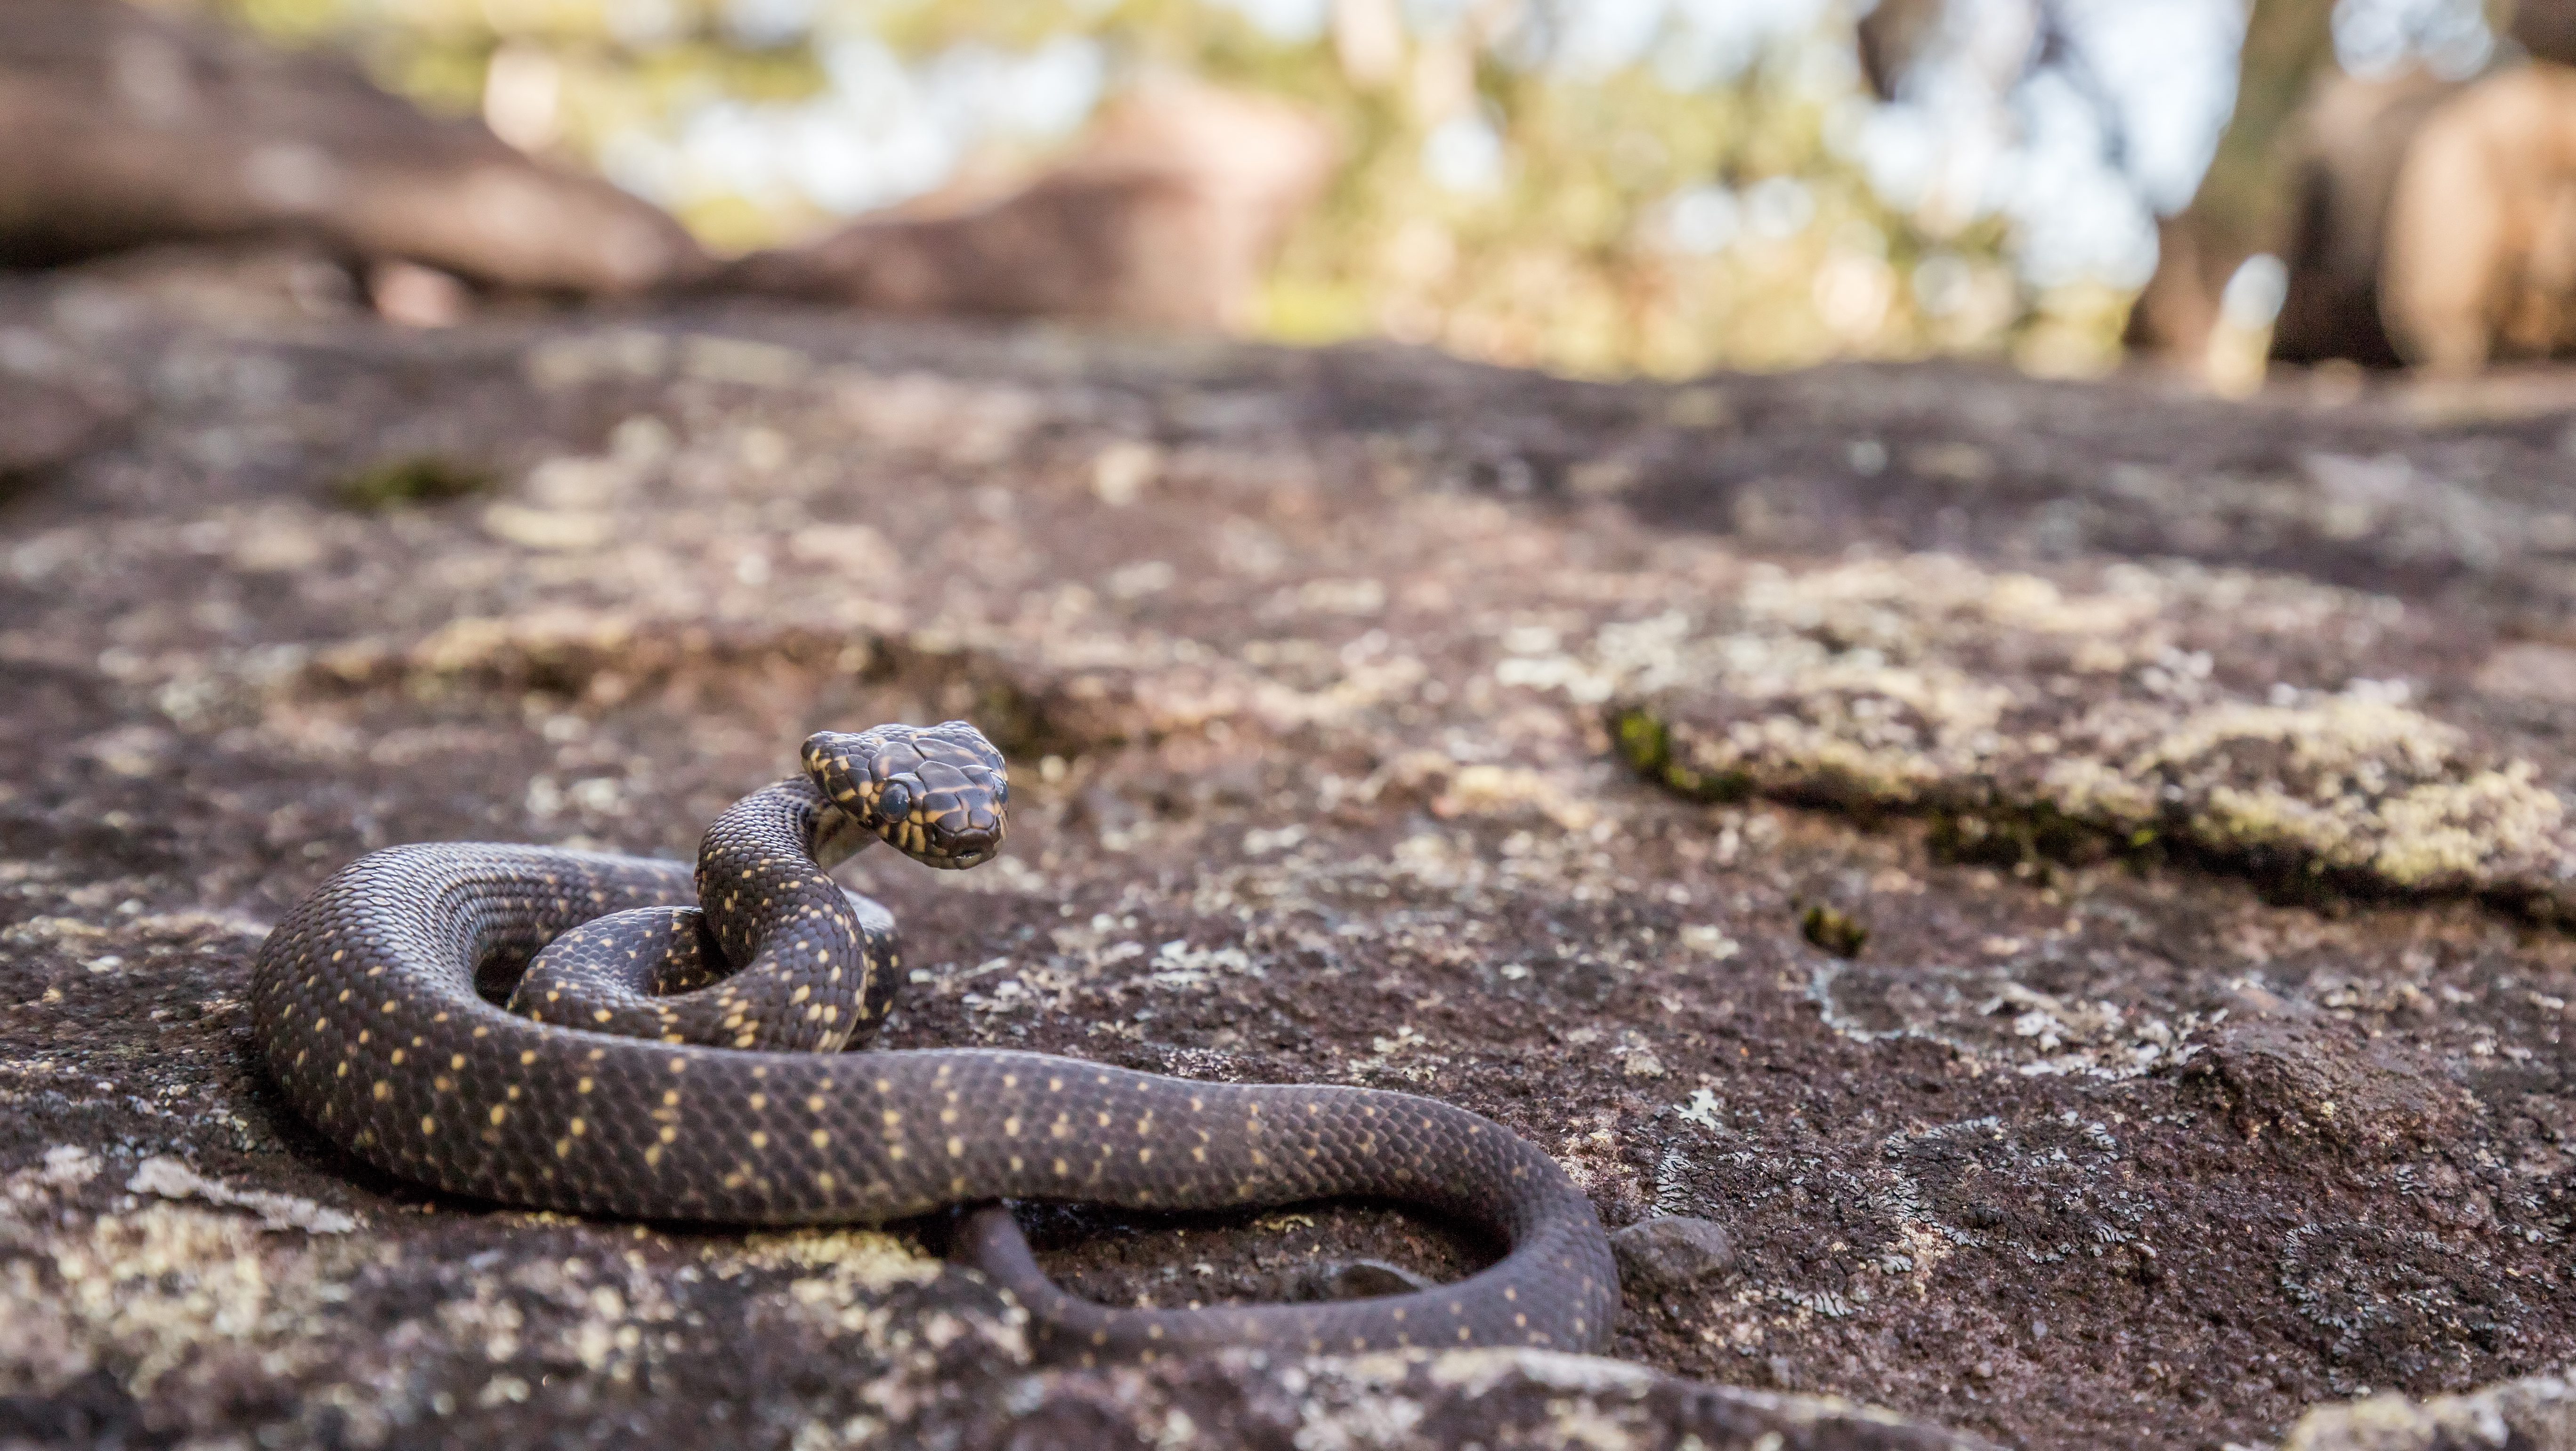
(951, 824)
(947, 846)
(960, 860)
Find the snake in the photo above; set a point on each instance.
(629, 1037)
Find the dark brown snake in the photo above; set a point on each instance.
(671, 1052)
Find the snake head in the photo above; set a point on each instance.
(938, 794)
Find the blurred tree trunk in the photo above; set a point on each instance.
(2243, 204)
(1892, 35)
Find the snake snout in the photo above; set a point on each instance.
(938, 794)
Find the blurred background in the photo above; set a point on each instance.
(1598, 187)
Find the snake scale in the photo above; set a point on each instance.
(670, 1050)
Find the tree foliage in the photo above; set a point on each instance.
(1677, 207)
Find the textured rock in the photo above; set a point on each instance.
(49, 424)
(1462, 1398)
(1319, 674)
(1670, 1254)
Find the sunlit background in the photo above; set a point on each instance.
(1594, 186)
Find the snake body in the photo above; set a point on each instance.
(710, 1101)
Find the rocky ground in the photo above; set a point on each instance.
(2072, 878)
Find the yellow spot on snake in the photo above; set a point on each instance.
(429, 1126)
(820, 1137)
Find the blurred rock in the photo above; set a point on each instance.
(236, 282)
(2350, 140)
(129, 127)
(1164, 216)
(417, 296)
(2546, 29)
(2481, 262)
(2538, 1414)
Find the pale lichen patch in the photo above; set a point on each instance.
(1877, 684)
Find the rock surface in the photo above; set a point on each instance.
(2185, 786)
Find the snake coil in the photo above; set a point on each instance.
(672, 1050)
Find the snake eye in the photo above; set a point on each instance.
(896, 803)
